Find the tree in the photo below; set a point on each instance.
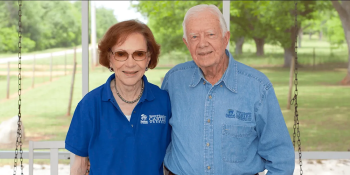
(165, 20)
(237, 35)
(8, 29)
(63, 24)
(284, 29)
(249, 22)
(104, 19)
(343, 9)
(46, 24)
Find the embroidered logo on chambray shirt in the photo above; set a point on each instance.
(161, 119)
(144, 119)
(230, 113)
(243, 116)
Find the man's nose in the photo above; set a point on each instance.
(203, 42)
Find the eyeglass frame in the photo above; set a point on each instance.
(113, 54)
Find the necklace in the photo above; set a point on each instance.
(130, 102)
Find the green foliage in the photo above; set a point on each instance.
(47, 24)
(104, 19)
(9, 40)
(247, 20)
(281, 15)
(165, 20)
(271, 20)
(335, 31)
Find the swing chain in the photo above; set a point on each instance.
(19, 123)
(295, 98)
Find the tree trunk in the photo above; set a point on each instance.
(259, 43)
(288, 55)
(300, 34)
(310, 34)
(343, 10)
(346, 80)
(320, 35)
(239, 45)
(289, 50)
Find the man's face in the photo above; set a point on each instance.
(204, 39)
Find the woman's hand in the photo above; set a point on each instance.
(81, 166)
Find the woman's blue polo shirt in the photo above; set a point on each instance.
(99, 130)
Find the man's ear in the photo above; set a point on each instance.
(184, 40)
(227, 38)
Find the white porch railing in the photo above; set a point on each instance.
(313, 155)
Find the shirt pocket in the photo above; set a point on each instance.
(235, 142)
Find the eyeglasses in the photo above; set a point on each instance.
(123, 55)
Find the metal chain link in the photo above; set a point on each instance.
(19, 123)
(295, 98)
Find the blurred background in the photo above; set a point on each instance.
(262, 36)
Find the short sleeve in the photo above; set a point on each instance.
(80, 131)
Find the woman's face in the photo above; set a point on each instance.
(130, 71)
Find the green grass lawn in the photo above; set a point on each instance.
(324, 105)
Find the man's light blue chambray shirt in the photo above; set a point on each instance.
(233, 127)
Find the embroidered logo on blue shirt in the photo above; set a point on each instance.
(243, 116)
(230, 113)
(144, 119)
(238, 115)
(157, 119)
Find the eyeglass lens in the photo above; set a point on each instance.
(123, 55)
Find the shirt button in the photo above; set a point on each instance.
(203, 82)
(208, 120)
(209, 96)
(134, 111)
(132, 125)
(208, 167)
(220, 85)
(207, 144)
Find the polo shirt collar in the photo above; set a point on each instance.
(229, 78)
(147, 92)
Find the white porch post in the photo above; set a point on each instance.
(226, 13)
(93, 33)
(85, 46)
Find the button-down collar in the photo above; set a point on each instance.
(230, 73)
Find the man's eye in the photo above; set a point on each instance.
(211, 34)
(194, 36)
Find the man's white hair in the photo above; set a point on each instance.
(204, 7)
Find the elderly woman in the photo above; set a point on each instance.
(123, 125)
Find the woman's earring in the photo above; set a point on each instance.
(110, 69)
(146, 68)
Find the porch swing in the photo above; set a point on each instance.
(19, 143)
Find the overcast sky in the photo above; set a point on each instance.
(122, 10)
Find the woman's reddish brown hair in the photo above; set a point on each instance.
(118, 34)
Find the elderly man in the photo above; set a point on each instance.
(226, 117)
